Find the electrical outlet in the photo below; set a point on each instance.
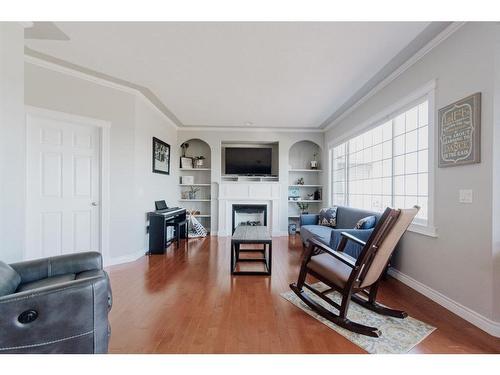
(465, 196)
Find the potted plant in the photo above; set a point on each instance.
(199, 161)
(192, 192)
(303, 207)
(314, 162)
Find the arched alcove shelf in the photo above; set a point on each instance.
(304, 179)
(195, 179)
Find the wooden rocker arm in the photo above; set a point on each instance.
(336, 254)
(346, 237)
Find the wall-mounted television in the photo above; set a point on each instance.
(248, 160)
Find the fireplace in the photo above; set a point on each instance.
(249, 214)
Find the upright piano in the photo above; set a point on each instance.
(159, 221)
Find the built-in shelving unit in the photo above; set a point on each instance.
(197, 195)
(306, 200)
(249, 178)
(306, 170)
(300, 156)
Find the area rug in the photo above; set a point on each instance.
(398, 335)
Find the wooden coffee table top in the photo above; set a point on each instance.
(251, 234)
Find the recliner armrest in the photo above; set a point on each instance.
(71, 317)
(38, 269)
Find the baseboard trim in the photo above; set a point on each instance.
(124, 259)
(480, 321)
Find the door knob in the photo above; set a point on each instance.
(95, 204)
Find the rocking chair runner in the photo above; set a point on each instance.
(350, 276)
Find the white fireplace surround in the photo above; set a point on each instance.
(248, 193)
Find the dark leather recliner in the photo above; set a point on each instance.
(55, 305)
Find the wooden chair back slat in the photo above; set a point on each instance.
(381, 244)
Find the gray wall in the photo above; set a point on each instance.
(459, 262)
(133, 186)
(12, 137)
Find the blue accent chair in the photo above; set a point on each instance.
(347, 217)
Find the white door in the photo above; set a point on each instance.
(63, 188)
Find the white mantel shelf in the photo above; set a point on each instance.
(305, 170)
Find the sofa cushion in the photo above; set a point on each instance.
(320, 232)
(328, 217)
(366, 223)
(347, 217)
(9, 279)
(49, 281)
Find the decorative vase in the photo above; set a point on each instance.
(199, 163)
(314, 164)
(192, 195)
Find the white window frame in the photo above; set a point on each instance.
(427, 91)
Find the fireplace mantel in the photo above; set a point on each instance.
(248, 193)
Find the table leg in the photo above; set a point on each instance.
(232, 257)
(270, 249)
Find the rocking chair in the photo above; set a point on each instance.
(351, 277)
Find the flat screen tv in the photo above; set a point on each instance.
(248, 161)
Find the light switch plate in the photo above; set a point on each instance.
(465, 196)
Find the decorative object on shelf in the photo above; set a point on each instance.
(184, 148)
(317, 195)
(460, 132)
(192, 192)
(184, 194)
(161, 156)
(292, 228)
(199, 161)
(303, 207)
(300, 181)
(310, 196)
(195, 227)
(293, 193)
(186, 163)
(187, 180)
(314, 162)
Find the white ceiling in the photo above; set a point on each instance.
(290, 75)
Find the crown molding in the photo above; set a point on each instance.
(250, 129)
(97, 80)
(438, 39)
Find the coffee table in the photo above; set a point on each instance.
(254, 235)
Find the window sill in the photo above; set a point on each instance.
(424, 230)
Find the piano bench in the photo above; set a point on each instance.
(177, 229)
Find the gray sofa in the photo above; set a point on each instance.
(55, 305)
(347, 217)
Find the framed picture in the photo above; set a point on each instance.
(186, 163)
(460, 132)
(161, 156)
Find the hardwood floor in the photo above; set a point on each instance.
(186, 302)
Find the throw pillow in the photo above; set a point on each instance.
(328, 217)
(366, 223)
(9, 279)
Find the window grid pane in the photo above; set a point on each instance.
(386, 165)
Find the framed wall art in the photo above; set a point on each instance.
(460, 132)
(161, 156)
